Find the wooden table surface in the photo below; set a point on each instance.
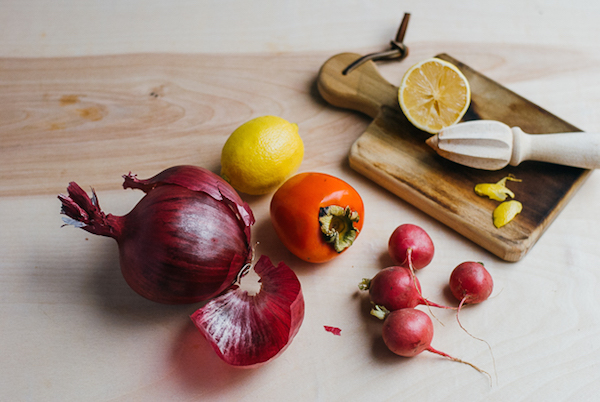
(75, 104)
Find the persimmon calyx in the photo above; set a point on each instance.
(337, 225)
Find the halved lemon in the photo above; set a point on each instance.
(434, 94)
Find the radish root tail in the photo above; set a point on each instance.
(432, 350)
(462, 302)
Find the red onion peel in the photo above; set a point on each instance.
(250, 330)
(334, 330)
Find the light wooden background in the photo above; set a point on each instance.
(75, 79)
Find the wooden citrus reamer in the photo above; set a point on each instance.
(492, 145)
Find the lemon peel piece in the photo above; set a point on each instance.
(506, 212)
(496, 191)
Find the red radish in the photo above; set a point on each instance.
(471, 283)
(249, 330)
(184, 242)
(410, 245)
(395, 288)
(408, 332)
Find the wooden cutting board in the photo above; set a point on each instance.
(393, 153)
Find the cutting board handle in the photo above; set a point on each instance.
(363, 89)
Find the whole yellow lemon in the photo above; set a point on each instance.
(261, 154)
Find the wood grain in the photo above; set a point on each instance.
(93, 119)
(393, 153)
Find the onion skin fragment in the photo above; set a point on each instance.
(185, 241)
(248, 331)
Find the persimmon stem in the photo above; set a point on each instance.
(337, 226)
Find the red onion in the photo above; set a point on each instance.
(185, 241)
(250, 330)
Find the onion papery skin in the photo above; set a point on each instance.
(250, 330)
(184, 242)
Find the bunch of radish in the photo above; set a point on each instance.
(395, 292)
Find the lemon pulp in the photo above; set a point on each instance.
(434, 94)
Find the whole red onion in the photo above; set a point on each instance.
(185, 241)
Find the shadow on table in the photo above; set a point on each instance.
(199, 368)
(104, 284)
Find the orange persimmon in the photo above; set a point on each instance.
(316, 216)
